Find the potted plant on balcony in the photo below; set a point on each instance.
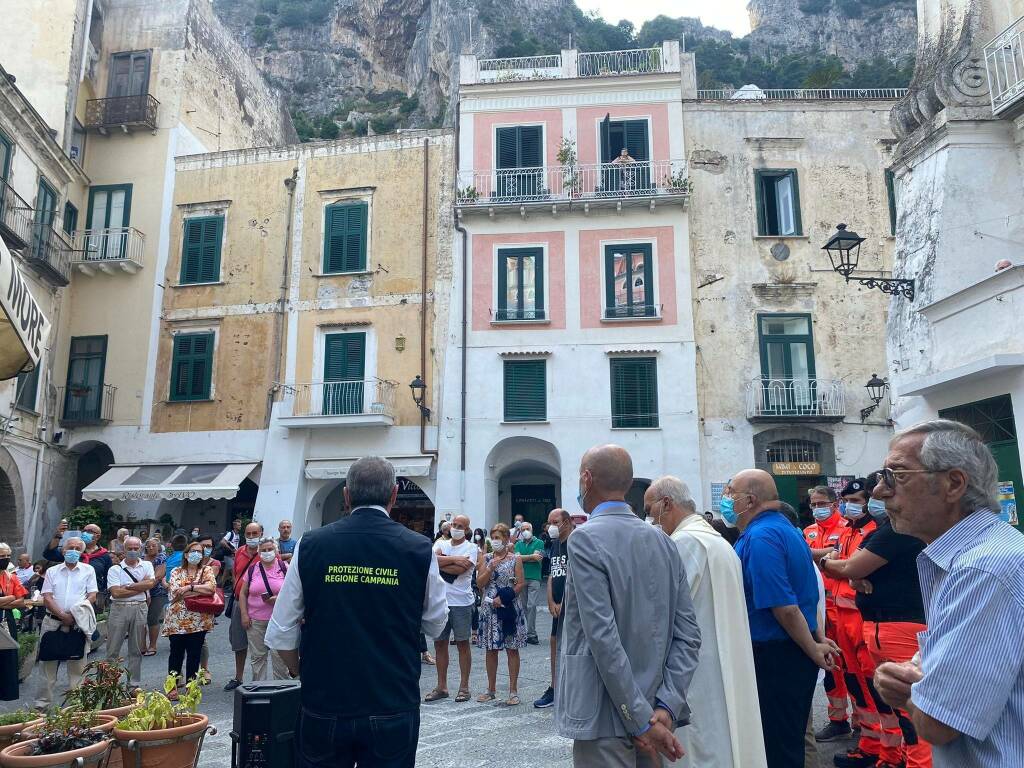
(468, 194)
(13, 723)
(569, 161)
(159, 732)
(104, 688)
(64, 738)
(679, 184)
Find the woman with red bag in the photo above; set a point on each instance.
(185, 628)
(259, 593)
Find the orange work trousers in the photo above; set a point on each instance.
(859, 669)
(897, 641)
(835, 685)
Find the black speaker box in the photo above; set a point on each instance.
(266, 718)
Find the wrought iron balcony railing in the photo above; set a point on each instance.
(796, 399)
(502, 315)
(568, 183)
(124, 112)
(86, 404)
(345, 398)
(608, 63)
(571, 64)
(15, 218)
(820, 94)
(50, 252)
(100, 248)
(633, 312)
(1004, 63)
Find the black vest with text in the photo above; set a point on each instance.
(364, 578)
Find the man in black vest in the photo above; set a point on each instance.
(362, 589)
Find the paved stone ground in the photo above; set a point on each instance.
(467, 734)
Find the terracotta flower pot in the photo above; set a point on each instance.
(118, 712)
(9, 734)
(103, 724)
(178, 746)
(17, 756)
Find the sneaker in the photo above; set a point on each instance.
(836, 729)
(855, 759)
(547, 700)
(232, 684)
(532, 641)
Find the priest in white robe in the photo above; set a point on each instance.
(725, 721)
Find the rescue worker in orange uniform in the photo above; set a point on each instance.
(884, 573)
(857, 663)
(822, 536)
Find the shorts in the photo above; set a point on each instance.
(155, 612)
(460, 624)
(555, 622)
(236, 634)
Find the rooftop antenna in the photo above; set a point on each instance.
(570, 41)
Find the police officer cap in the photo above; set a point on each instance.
(859, 485)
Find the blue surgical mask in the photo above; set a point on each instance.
(194, 558)
(71, 556)
(207, 551)
(582, 495)
(87, 537)
(132, 554)
(854, 511)
(877, 508)
(842, 508)
(727, 506)
(821, 513)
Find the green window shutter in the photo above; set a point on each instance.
(191, 366)
(634, 392)
(344, 356)
(636, 139)
(201, 249)
(345, 238)
(526, 390)
(531, 154)
(508, 147)
(890, 191)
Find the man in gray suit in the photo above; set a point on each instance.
(630, 639)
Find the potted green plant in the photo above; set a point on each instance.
(104, 688)
(64, 738)
(569, 163)
(468, 194)
(159, 732)
(679, 184)
(27, 642)
(13, 723)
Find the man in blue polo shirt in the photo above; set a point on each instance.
(782, 601)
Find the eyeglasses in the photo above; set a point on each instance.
(890, 476)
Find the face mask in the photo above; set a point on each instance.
(527, 535)
(458, 534)
(4, 562)
(87, 537)
(519, 524)
(72, 556)
(195, 533)
(842, 508)
(727, 506)
(582, 495)
(854, 511)
(253, 542)
(822, 513)
(268, 557)
(207, 551)
(876, 507)
(478, 538)
(132, 554)
(194, 558)
(553, 531)
(497, 545)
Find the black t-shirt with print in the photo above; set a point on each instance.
(559, 569)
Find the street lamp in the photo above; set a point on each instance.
(843, 250)
(419, 391)
(876, 388)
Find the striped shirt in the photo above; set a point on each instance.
(972, 655)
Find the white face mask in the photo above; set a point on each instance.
(553, 531)
(268, 557)
(526, 535)
(478, 537)
(519, 524)
(458, 534)
(497, 545)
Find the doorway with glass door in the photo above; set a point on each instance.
(128, 87)
(631, 172)
(109, 210)
(788, 386)
(344, 369)
(83, 398)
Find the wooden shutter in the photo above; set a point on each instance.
(525, 390)
(191, 366)
(531, 153)
(634, 392)
(636, 139)
(344, 356)
(508, 148)
(345, 238)
(200, 256)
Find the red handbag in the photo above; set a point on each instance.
(212, 604)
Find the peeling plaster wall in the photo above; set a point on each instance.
(840, 151)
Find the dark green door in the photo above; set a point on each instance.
(344, 369)
(534, 503)
(46, 211)
(631, 135)
(787, 365)
(520, 155)
(83, 400)
(6, 153)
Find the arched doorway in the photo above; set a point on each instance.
(93, 460)
(635, 496)
(413, 508)
(799, 458)
(12, 511)
(524, 477)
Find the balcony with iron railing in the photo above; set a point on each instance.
(571, 63)
(753, 93)
(581, 186)
(1004, 63)
(49, 253)
(110, 250)
(122, 112)
(86, 404)
(15, 218)
(772, 399)
(352, 403)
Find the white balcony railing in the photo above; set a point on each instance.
(521, 68)
(568, 183)
(1004, 63)
(608, 63)
(120, 245)
(796, 399)
(345, 398)
(820, 94)
(571, 63)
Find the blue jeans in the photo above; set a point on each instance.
(375, 741)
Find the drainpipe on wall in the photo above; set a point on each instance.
(462, 343)
(423, 294)
(289, 184)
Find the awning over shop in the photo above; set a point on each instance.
(145, 482)
(24, 328)
(337, 469)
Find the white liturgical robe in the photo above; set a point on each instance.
(725, 722)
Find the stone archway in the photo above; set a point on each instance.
(523, 477)
(414, 509)
(94, 458)
(635, 495)
(12, 509)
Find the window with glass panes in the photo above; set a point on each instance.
(525, 390)
(634, 383)
(786, 348)
(520, 284)
(778, 202)
(628, 280)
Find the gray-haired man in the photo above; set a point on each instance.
(129, 582)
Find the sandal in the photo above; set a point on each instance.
(511, 701)
(463, 695)
(151, 652)
(435, 695)
(483, 698)
(426, 658)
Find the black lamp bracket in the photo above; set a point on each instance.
(894, 286)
